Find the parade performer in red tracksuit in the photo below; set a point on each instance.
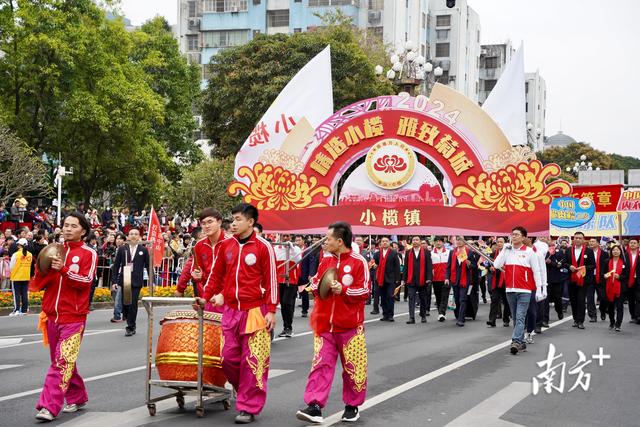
(337, 322)
(244, 281)
(64, 312)
(205, 252)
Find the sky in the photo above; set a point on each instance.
(588, 52)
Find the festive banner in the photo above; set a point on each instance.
(602, 224)
(567, 212)
(405, 219)
(155, 236)
(291, 119)
(629, 201)
(606, 197)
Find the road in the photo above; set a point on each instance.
(433, 374)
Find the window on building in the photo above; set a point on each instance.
(526, 107)
(442, 49)
(278, 18)
(256, 2)
(317, 3)
(491, 62)
(423, 50)
(225, 38)
(297, 1)
(193, 9)
(192, 42)
(526, 87)
(443, 21)
(489, 85)
(442, 34)
(478, 36)
(376, 4)
(225, 5)
(297, 30)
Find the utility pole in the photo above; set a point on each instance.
(60, 172)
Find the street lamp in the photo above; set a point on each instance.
(60, 172)
(534, 137)
(409, 69)
(581, 165)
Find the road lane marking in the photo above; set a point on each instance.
(140, 415)
(8, 366)
(9, 342)
(86, 334)
(489, 411)
(389, 394)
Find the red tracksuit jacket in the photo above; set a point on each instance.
(245, 274)
(207, 256)
(66, 297)
(343, 312)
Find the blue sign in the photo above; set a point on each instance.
(569, 212)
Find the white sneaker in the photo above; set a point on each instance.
(14, 313)
(528, 338)
(73, 407)
(44, 415)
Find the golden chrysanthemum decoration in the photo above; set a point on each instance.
(514, 188)
(274, 188)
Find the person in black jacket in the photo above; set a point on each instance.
(308, 268)
(557, 261)
(582, 266)
(613, 276)
(461, 275)
(597, 285)
(135, 256)
(417, 276)
(388, 277)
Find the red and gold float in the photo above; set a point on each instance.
(177, 351)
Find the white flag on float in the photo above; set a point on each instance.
(506, 102)
(289, 123)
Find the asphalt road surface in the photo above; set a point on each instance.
(433, 374)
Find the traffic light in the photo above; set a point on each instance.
(451, 3)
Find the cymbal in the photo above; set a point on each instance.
(46, 256)
(324, 289)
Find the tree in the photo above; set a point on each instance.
(116, 105)
(205, 184)
(567, 156)
(245, 80)
(21, 172)
(177, 82)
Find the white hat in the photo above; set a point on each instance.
(22, 242)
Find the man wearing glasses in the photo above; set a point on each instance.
(522, 277)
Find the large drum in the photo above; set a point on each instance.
(177, 350)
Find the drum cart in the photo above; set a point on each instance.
(181, 388)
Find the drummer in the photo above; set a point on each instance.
(244, 281)
(203, 256)
(337, 322)
(63, 319)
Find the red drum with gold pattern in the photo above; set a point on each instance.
(177, 350)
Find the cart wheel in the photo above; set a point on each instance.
(226, 404)
(200, 411)
(152, 409)
(180, 400)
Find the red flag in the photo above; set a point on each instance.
(155, 236)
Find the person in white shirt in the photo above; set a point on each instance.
(522, 277)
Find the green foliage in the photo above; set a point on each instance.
(203, 185)
(21, 172)
(567, 156)
(115, 104)
(245, 80)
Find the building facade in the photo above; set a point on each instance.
(454, 40)
(400, 22)
(536, 107)
(493, 60)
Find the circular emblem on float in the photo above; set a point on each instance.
(347, 280)
(250, 259)
(390, 164)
